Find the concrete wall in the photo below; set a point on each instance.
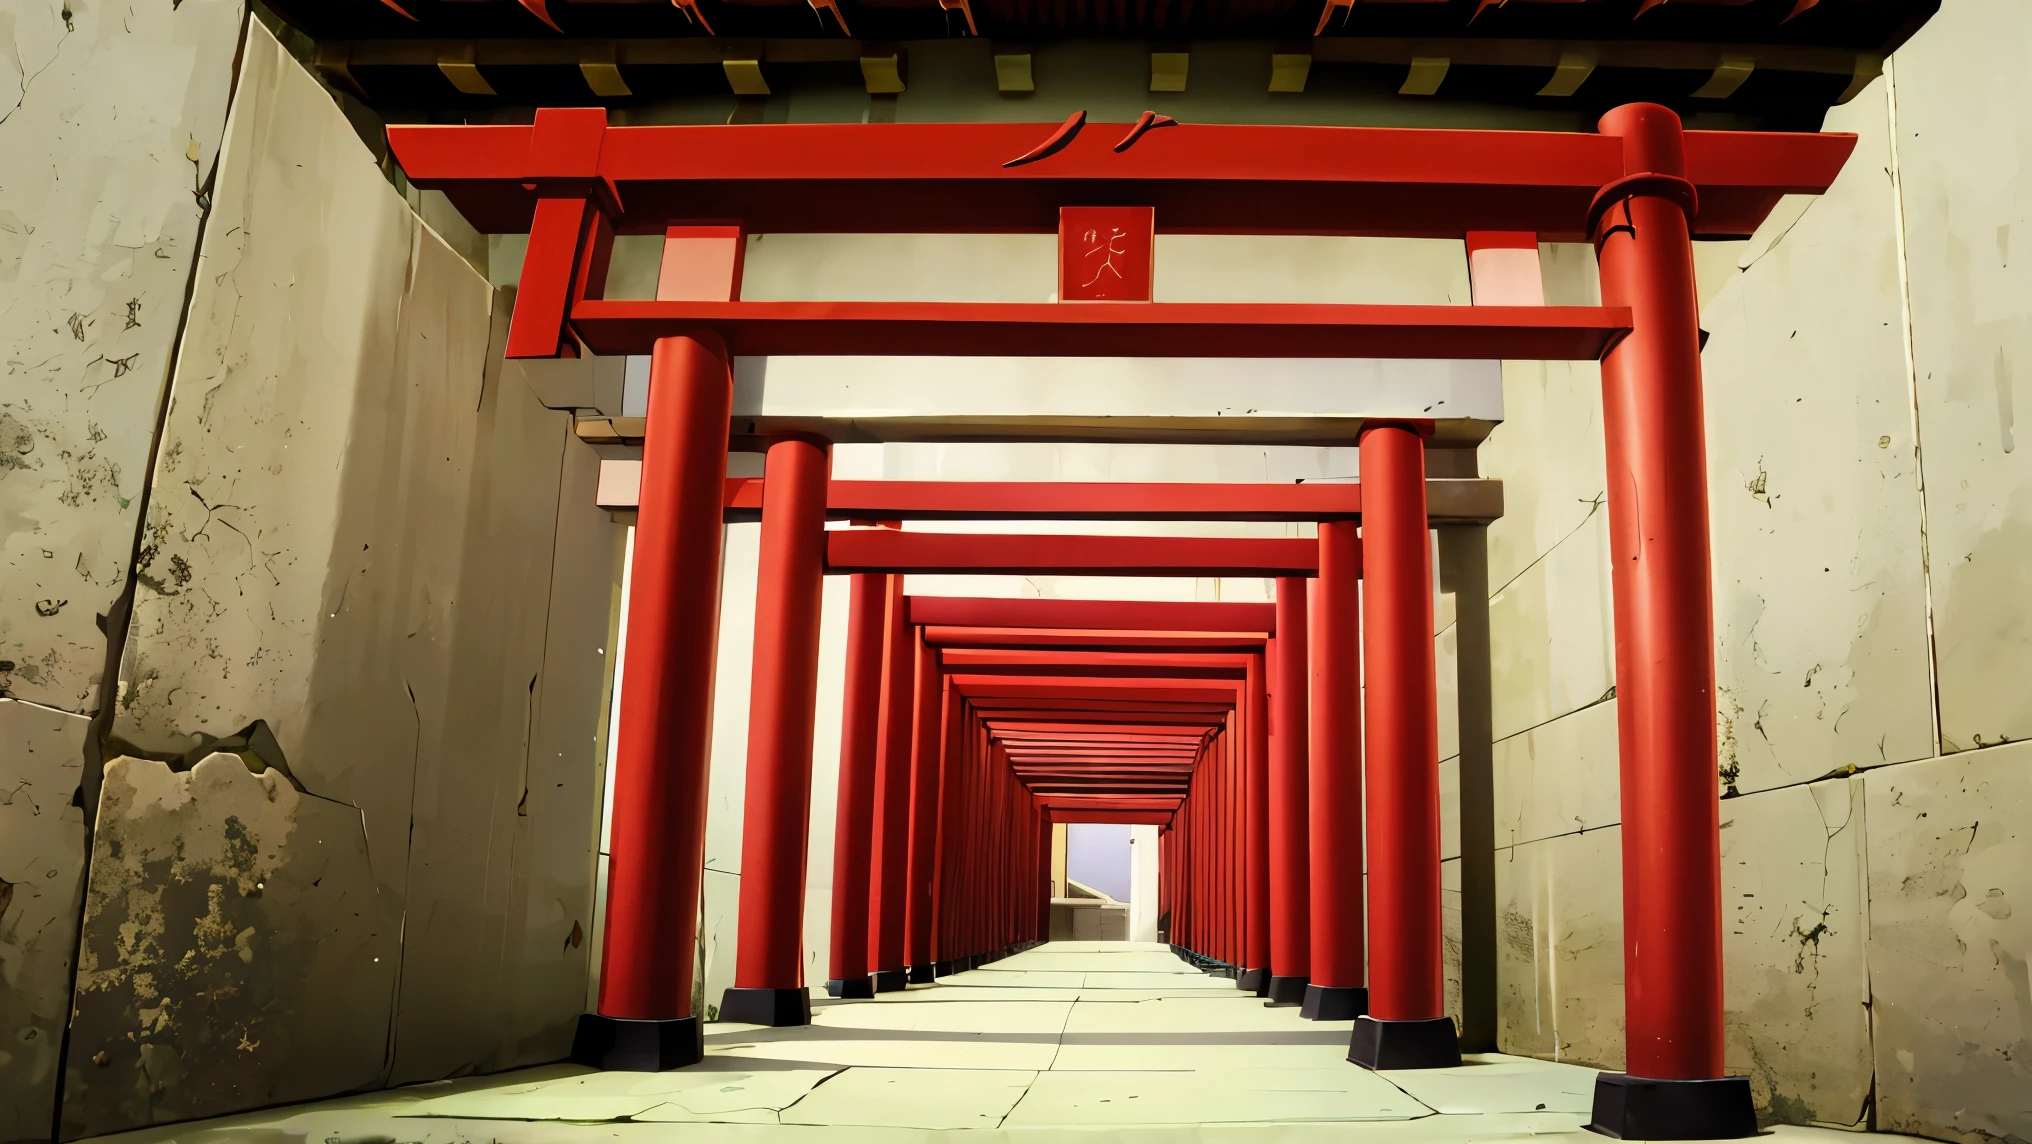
(349, 838)
(1869, 511)
(112, 136)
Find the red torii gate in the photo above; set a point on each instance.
(1638, 191)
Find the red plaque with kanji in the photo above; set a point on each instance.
(1105, 254)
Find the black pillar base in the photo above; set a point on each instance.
(1334, 1002)
(1284, 991)
(1638, 1108)
(1255, 981)
(889, 980)
(1427, 1044)
(620, 1044)
(921, 975)
(762, 1006)
(859, 989)
(943, 969)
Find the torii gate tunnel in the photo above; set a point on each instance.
(972, 725)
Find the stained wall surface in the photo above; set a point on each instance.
(112, 131)
(363, 688)
(42, 866)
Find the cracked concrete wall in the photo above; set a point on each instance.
(366, 533)
(1961, 105)
(112, 120)
(233, 938)
(1861, 376)
(1950, 866)
(42, 865)
(1820, 599)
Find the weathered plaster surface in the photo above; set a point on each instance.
(1559, 777)
(294, 331)
(1559, 948)
(545, 952)
(42, 863)
(1795, 1007)
(1960, 92)
(354, 536)
(1300, 268)
(732, 672)
(719, 937)
(110, 118)
(1551, 633)
(480, 827)
(1550, 622)
(1548, 451)
(236, 951)
(1820, 599)
(1950, 875)
(1450, 933)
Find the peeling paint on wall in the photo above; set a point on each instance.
(42, 863)
(236, 952)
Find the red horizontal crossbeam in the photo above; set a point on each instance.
(1079, 500)
(1073, 689)
(1112, 615)
(940, 636)
(1108, 802)
(1116, 817)
(887, 550)
(956, 658)
(1112, 329)
(1134, 732)
(1211, 178)
(1098, 711)
(1202, 665)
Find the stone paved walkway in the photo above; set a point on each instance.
(1118, 1037)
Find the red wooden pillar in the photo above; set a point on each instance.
(1407, 1025)
(952, 744)
(1230, 852)
(1290, 852)
(1652, 419)
(1040, 922)
(892, 796)
(768, 984)
(854, 827)
(924, 754)
(657, 847)
(975, 884)
(998, 851)
(1334, 788)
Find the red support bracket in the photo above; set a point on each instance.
(571, 237)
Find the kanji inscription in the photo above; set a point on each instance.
(1105, 253)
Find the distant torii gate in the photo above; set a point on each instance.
(1637, 190)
